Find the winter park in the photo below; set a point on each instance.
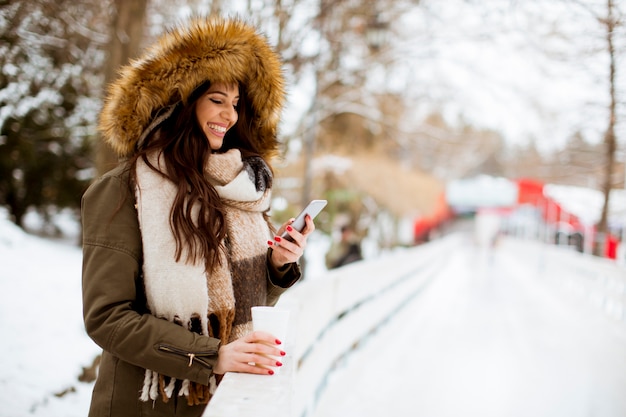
(471, 257)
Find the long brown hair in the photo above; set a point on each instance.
(182, 145)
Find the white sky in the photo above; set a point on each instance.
(497, 65)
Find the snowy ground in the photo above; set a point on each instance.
(488, 338)
(485, 339)
(44, 345)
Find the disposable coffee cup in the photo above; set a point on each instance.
(272, 320)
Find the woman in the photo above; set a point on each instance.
(177, 243)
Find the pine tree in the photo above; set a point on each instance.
(49, 91)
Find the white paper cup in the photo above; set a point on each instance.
(274, 321)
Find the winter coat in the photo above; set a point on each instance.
(116, 316)
(115, 309)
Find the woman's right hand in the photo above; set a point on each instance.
(259, 348)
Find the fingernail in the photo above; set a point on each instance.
(289, 228)
(282, 353)
(270, 372)
(278, 342)
(278, 363)
(277, 239)
(269, 242)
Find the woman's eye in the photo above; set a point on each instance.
(216, 101)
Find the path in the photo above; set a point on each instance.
(488, 338)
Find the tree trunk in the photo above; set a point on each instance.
(609, 136)
(127, 28)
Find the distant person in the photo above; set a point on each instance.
(177, 242)
(346, 251)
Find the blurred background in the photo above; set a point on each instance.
(413, 118)
(403, 114)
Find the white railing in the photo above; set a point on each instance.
(330, 316)
(333, 314)
(599, 281)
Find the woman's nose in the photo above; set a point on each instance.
(230, 114)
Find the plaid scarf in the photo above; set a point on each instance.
(183, 292)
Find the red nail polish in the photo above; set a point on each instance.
(278, 363)
(269, 242)
(270, 372)
(282, 353)
(277, 239)
(289, 228)
(278, 342)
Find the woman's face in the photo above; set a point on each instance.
(216, 111)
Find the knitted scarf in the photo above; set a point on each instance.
(214, 303)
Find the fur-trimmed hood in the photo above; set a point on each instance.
(214, 49)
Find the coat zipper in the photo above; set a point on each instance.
(197, 356)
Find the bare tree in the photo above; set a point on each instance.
(603, 44)
(610, 22)
(126, 34)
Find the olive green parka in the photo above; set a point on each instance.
(115, 311)
(116, 316)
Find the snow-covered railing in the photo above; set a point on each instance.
(330, 316)
(600, 281)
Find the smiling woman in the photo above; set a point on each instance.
(216, 112)
(177, 242)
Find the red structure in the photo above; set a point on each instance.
(561, 226)
(423, 226)
(531, 192)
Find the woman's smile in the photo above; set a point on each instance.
(216, 112)
(217, 129)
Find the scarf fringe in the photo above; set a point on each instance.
(196, 394)
(184, 390)
(166, 390)
(145, 391)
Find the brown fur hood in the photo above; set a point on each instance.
(214, 49)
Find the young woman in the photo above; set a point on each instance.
(177, 242)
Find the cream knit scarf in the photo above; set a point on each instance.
(215, 303)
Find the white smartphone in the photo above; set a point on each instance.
(312, 209)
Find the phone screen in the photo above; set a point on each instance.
(312, 209)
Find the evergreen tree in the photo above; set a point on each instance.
(51, 54)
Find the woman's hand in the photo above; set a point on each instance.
(257, 348)
(286, 251)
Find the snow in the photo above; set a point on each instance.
(482, 191)
(489, 337)
(477, 339)
(44, 344)
(587, 203)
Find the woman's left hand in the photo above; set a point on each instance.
(286, 251)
